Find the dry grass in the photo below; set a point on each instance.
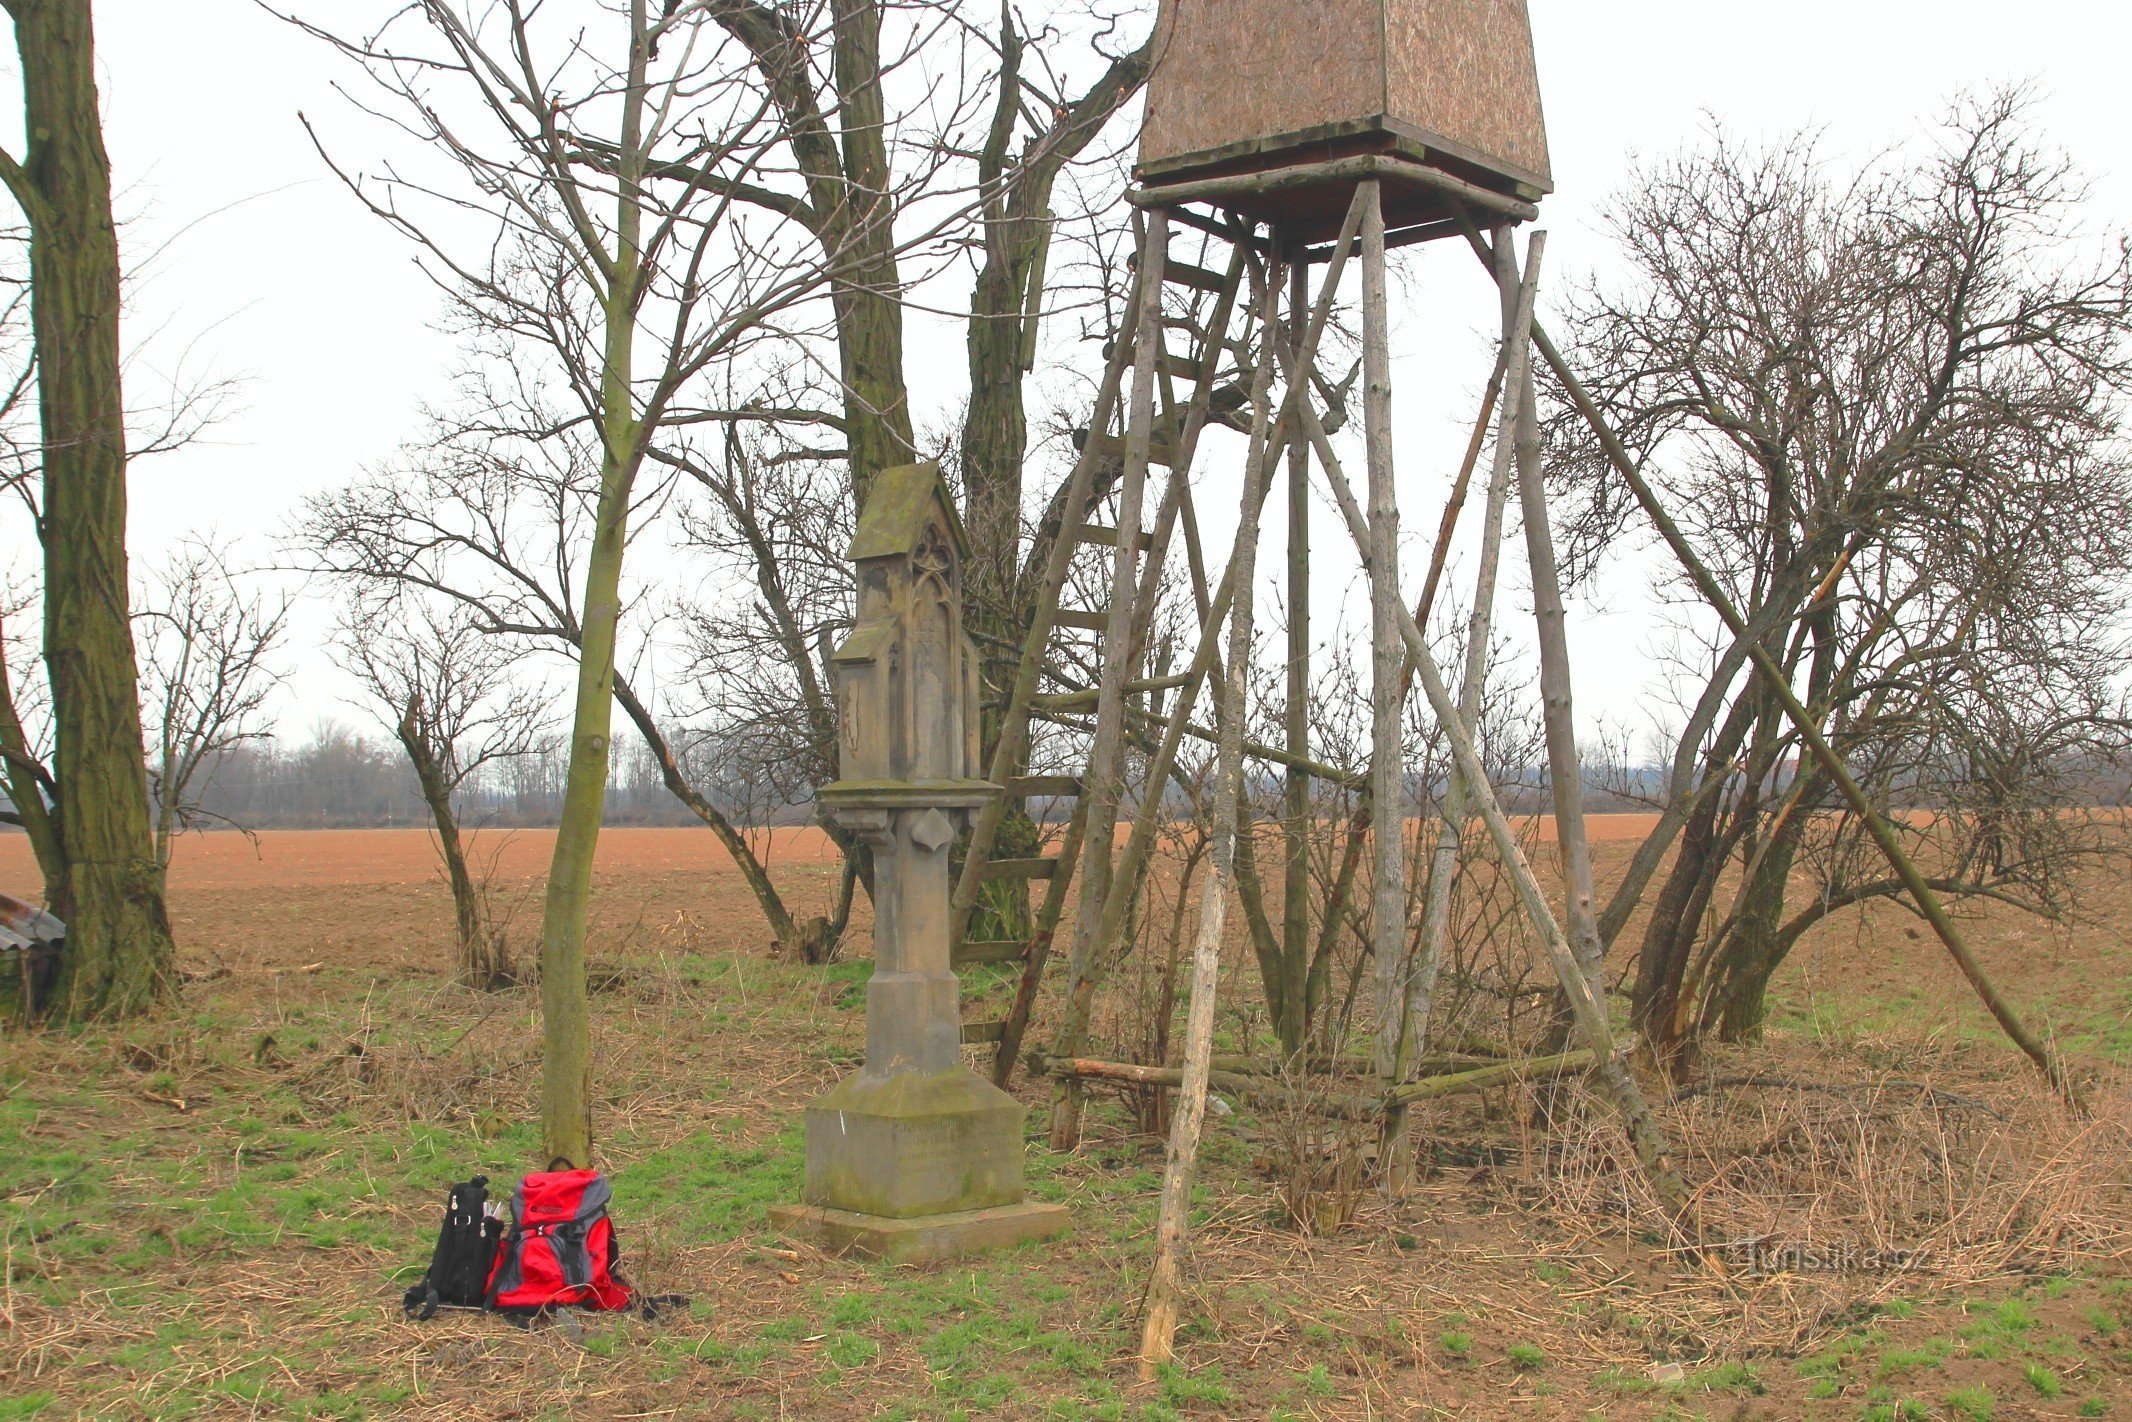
(212, 1214)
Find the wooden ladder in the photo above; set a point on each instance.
(1170, 301)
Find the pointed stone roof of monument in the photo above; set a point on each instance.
(896, 509)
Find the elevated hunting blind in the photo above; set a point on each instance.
(1245, 87)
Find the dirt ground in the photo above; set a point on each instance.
(213, 1213)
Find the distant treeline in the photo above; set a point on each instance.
(337, 778)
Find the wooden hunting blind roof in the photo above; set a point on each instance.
(893, 519)
(1247, 86)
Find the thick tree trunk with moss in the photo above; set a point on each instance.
(119, 948)
(1001, 341)
(869, 301)
(995, 441)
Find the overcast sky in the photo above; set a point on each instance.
(250, 262)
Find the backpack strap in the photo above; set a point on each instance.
(571, 1236)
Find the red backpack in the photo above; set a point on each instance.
(561, 1251)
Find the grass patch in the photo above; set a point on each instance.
(1526, 1357)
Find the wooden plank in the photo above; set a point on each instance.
(1097, 535)
(1021, 868)
(1336, 173)
(978, 1033)
(1185, 274)
(1082, 620)
(1327, 1103)
(1086, 700)
(999, 950)
(1056, 786)
(1218, 227)
(1160, 450)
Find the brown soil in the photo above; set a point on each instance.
(1525, 1278)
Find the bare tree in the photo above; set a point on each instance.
(1040, 128)
(495, 523)
(777, 512)
(207, 669)
(1887, 409)
(458, 700)
(542, 215)
(865, 158)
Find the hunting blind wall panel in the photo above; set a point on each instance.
(1247, 85)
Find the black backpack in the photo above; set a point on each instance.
(459, 1267)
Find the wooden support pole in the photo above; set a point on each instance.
(1420, 986)
(1358, 822)
(1362, 168)
(1388, 898)
(1013, 741)
(1294, 1017)
(1047, 928)
(1104, 782)
(1139, 846)
(1652, 1148)
(1173, 1220)
(1085, 958)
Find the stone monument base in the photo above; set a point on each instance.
(911, 1144)
(929, 1239)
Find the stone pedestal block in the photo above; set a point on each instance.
(909, 1144)
(933, 1239)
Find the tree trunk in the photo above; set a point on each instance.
(995, 444)
(481, 961)
(1735, 1003)
(119, 948)
(869, 301)
(1669, 937)
(566, 1011)
(566, 1014)
(790, 934)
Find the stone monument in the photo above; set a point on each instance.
(914, 1158)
